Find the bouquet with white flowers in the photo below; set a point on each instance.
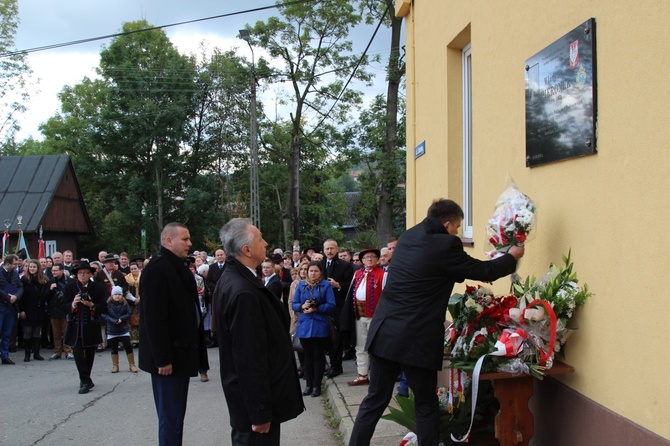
(512, 221)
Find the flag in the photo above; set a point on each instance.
(21, 248)
(5, 243)
(41, 252)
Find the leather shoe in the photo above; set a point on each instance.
(316, 392)
(308, 390)
(203, 377)
(8, 361)
(334, 372)
(85, 388)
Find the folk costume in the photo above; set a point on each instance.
(361, 303)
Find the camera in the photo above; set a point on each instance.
(85, 296)
(313, 303)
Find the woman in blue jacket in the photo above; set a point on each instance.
(315, 301)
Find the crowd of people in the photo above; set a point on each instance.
(383, 307)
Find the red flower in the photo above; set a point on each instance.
(479, 339)
(520, 236)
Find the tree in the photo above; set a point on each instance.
(310, 41)
(151, 100)
(221, 133)
(14, 73)
(381, 172)
(388, 181)
(128, 134)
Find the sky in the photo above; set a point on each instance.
(46, 22)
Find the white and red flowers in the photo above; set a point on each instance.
(512, 221)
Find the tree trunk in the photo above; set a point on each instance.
(395, 72)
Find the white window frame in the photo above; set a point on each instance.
(467, 140)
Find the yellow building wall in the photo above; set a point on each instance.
(610, 208)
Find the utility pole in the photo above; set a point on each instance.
(254, 205)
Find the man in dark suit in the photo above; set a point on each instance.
(271, 279)
(216, 270)
(407, 332)
(171, 333)
(258, 371)
(339, 273)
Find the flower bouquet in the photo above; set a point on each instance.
(559, 288)
(512, 222)
(516, 334)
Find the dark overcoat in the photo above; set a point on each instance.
(258, 371)
(83, 324)
(170, 322)
(408, 326)
(341, 272)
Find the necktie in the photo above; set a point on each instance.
(329, 268)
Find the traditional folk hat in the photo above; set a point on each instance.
(82, 265)
(111, 257)
(375, 251)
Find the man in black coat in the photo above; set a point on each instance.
(407, 332)
(339, 273)
(258, 371)
(216, 270)
(11, 290)
(171, 332)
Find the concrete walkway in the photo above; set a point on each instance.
(345, 400)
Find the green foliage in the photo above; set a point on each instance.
(14, 76)
(456, 419)
(405, 415)
(309, 40)
(378, 169)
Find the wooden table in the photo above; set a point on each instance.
(514, 422)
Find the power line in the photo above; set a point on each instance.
(353, 72)
(187, 22)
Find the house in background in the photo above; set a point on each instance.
(45, 192)
(469, 68)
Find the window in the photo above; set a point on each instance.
(467, 142)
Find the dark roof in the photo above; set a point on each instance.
(27, 186)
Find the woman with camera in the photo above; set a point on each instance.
(84, 301)
(315, 301)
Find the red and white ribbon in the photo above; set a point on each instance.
(509, 344)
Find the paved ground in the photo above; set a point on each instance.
(345, 400)
(39, 405)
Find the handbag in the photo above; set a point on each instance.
(134, 320)
(295, 343)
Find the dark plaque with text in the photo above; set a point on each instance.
(561, 98)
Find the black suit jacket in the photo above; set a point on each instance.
(274, 285)
(258, 371)
(213, 276)
(408, 326)
(342, 273)
(169, 315)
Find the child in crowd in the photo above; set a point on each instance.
(118, 313)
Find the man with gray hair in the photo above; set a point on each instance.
(258, 372)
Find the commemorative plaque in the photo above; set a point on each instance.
(561, 101)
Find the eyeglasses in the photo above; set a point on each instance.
(370, 257)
